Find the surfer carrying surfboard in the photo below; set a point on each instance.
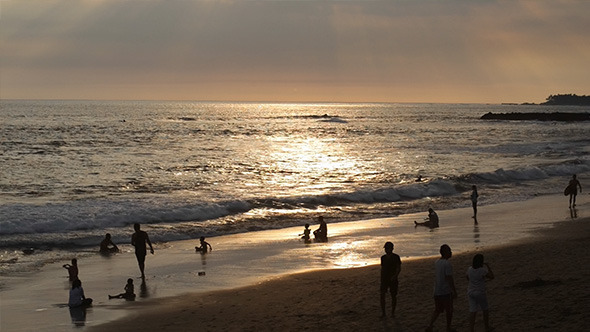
(572, 190)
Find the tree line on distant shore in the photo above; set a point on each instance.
(567, 99)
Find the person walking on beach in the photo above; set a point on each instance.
(77, 298)
(444, 288)
(72, 270)
(107, 246)
(391, 265)
(203, 247)
(139, 240)
(129, 292)
(474, 197)
(572, 190)
(477, 274)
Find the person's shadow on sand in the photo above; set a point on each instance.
(143, 289)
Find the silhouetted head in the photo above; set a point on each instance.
(202, 238)
(129, 281)
(76, 283)
(477, 261)
(74, 261)
(136, 227)
(430, 210)
(306, 225)
(574, 176)
(445, 251)
(321, 218)
(107, 236)
(473, 187)
(388, 247)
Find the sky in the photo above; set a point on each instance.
(472, 51)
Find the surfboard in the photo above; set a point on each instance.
(567, 191)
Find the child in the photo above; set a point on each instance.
(129, 292)
(72, 269)
(477, 274)
(306, 233)
(204, 244)
(77, 298)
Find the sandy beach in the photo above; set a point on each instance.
(540, 285)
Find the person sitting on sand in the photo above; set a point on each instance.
(129, 294)
(204, 244)
(321, 234)
(431, 220)
(306, 234)
(72, 270)
(107, 246)
(77, 298)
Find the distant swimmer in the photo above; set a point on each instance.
(321, 234)
(139, 239)
(419, 178)
(107, 246)
(204, 245)
(306, 234)
(572, 190)
(129, 294)
(431, 220)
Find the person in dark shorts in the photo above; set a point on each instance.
(139, 240)
(390, 268)
(444, 288)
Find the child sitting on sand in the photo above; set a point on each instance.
(129, 292)
(306, 233)
(203, 247)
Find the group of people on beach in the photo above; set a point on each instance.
(444, 286)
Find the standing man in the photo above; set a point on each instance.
(572, 189)
(391, 266)
(139, 240)
(444, 287)
(474, 197)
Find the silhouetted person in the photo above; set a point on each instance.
(306, 234)
(72, 270)
(129, 294)
(77, 298)
(474, 197)
(419, 178)
(431, 220)
(107, 246)
(444, 287)
(572, 190)
(203, 247)
(139, 239)
(391, 266)
(321, 234)
(477, 274)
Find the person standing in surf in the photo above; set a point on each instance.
(572, 190)
(474, 197)
(139, 240)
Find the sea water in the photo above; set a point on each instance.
(75, 170)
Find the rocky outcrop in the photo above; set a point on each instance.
(555, 116)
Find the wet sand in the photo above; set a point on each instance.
(540, 285)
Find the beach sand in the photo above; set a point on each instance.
(540, 285)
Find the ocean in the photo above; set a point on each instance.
(75, 170)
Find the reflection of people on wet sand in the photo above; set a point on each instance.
(321, 234)
(78, 315)
(129, 294)
(390, 268)
(572, 190)
(306, 234)
(77, 298)
(139, 240)
(203, 247)
(477, 274)
(431, 220)
(107, 246)
(72, 269)
(474, 197)
(444, 287)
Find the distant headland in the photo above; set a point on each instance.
(552, 100)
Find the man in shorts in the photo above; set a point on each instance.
(444, 288)
(139, 239)
(390, 267)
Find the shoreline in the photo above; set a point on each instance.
(538, 286)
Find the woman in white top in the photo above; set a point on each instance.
(477, 274)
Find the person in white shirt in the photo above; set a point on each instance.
(477, 274)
